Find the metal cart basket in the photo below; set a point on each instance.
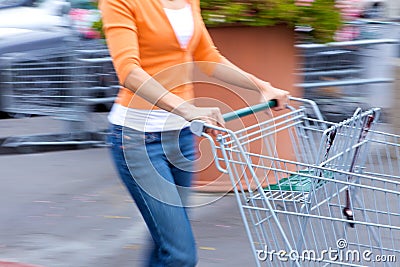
(66, 82)
(328, 202)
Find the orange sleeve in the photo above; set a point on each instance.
(206, 54)
(119, 25)
(206, 50)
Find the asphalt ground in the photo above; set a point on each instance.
(68, 208)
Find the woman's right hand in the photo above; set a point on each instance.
(210, 115)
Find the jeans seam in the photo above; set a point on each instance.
(146, 206)
(162, 241)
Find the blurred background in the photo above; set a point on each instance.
(61, 203)
(68, 34)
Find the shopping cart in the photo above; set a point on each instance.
(41, 82)
(322, 204)
(66, 82)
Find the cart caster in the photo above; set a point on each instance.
(349, 216)
(18, 115)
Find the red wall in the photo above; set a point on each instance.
(268, 53)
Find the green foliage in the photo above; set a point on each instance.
(98, 26)
(320, 15)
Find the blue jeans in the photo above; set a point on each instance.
(157, 169)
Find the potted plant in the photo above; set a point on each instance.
(321, 17)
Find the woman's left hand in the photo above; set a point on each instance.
(268, 92)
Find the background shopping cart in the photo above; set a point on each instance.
(70, 82)
(293, 208)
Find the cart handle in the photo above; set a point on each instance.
(197, 126)
(249, 110)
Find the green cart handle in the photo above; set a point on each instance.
(249, 110)
(197, 126)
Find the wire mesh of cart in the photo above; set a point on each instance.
(102, 81)
(60, 81)
(66, 82)
(317, 205)
(383, 155)
(42, 82)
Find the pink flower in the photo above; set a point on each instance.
(92, 34)
(78, 14)
(347, 33)
(304, 2)
(349, 8)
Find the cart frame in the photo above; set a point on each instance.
(283, 221)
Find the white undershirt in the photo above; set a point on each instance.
(181, 21)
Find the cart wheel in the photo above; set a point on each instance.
(18, 115)
(26, 149)
(4, 115)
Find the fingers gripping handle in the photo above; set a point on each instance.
(197, 127)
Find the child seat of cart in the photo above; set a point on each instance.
(297, 186)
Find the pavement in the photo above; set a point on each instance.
(67, 208)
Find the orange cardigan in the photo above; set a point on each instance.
(139, 34)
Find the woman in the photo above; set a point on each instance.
(154, 44)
